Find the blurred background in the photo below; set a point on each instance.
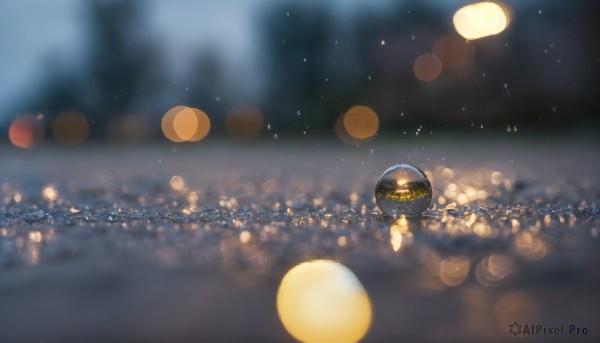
(73, 71)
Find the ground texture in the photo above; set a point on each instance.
(189, 244)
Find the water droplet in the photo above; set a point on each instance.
(412, 37)
(403, 189)
(382, 42)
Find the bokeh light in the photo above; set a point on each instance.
(177, 183)
(185, 124)
(494, 269)
(25, 131)
(427, 67)
(453, 51)
(167, 124)
(357, 125)
(70, 128)
(454, 270)
(50, 193)
(130, 128)
(244, 122)
(323, 301)
(481, 20)
(202, 127)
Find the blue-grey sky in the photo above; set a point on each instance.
(34, 31)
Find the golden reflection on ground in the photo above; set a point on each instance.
(400, 234)
(323, 301)
(454, 270)
(530, 246)
(494, 269)
(519, 307)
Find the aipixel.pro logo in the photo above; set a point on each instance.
(517, 329)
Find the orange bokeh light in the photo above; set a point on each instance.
(70, 128)
(357, 125)
(185, 124)
(453, 51)
(25, 131)
(167, 124)
(244, 122)
(427, 67)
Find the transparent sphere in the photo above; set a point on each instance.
(403, 190)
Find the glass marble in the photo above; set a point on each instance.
(403, 189)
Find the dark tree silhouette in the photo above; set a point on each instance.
(123, 63)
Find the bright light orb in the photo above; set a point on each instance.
(480, 20)
(323, 301)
